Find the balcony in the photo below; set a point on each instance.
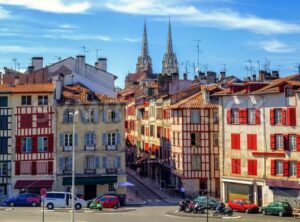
(111, 170)
(111, 147)
(89, 147)
(90, 171)
(68, 148)
(67, 171)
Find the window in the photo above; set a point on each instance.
(2, 190)
(235, 116)
(111, 187)
(195, 139)
(112, 115)
(216, 158)
(3, 169)
(251, 116)
(158, 132)
(279, 141)
(292, 168)
(42, 120)
(90, 163)
(235, 166)
(278, 116)
(152, 111)
(25, 100)
(68, 163)
(178, 139)
(26, 121)
(289, 91)
(151, 130)
(25, 167)
(252, 141)
(292, 143)
(216, 139)
(42, 144)
(26, 144)
(90, 116)
(3, 145)
(42, 100)
(68, 140)
(215, 117)
(174, 138)
(235, 141)
(90, 139)
(252, 167)
(279, 167)
(3, 101)
(3, 122)
(111, 139)
(196, 162)
(195, 116)
(68, 116)
(42, 167)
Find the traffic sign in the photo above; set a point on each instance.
(43, 192)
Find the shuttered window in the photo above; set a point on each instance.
(252, 167)
(235, 166)
(292, 143)
(279, 167)
(251, 116)
(195, 116)
(293, 168)
(234, 116)
(279, 142)
(252, 142)
(235, 141)
(291, 116)
(25, 167)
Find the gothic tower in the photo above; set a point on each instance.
(169, 63)
(144, 60)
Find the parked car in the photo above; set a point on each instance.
(24, 199)
(108, 201)
(243, 205)
(122, 198)
(210, 203)
(62, 200)
(278, 208)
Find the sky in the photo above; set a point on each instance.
(234, 34)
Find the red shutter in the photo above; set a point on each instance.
(229, 120)
(243, 116)
(17, 168)
(238, 142)
(238, 166)
(286, 168)
(273, 141)
(235, 141)
(250, 167)
(257, 117)
(50, 143)
(298, 169)
(273, 167)
(18, 144)
(286, 142)
(298, 142)
(291, 116)
(283, 116)
(254, 167)
(233, 166)
(249, 141)
(272, 116)
(33, 167)
(34, 144)
(50, 167)
(254, 142)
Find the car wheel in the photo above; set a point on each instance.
(116, 206)
(247, 211)
(11, 204)
(100, 208)
(50, 206)
(280, 214)
(230, 213)
(215, 214)
(264, 212)
(34, 204)
(77, 206)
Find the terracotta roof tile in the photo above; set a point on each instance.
(193, 102)
(28, 88)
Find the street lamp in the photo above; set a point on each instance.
(73, 166)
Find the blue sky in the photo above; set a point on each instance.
(232, 32)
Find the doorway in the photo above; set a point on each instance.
(90, 192)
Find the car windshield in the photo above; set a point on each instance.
(246, 202)
(286, 205)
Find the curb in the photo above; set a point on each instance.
(181, 214)
(5, 208)
(86, 210)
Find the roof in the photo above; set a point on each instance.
(77, 93)
(190, 90)
(193, 102)
(28, 88)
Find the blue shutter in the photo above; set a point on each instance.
(61, 139)
(76, 139)
(82, 116)
(61, 163)
(104, 139)
(118, 162)
(104, 162)
(66, 112)
(96, 116)
(118, 116)
(97, 162)
(118, 138)
(86, 136)
(104, 116)
(94, 138)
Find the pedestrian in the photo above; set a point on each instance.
(182, 192)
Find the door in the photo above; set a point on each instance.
(259, 196)
(90, 192)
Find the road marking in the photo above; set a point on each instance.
(237, 217)
(88, 211)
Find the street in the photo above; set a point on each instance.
(145, 214)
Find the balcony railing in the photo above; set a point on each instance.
(111, 147)
(68, 148)
(90, 147)
(67, 172)
(90, 171)
(111, 170)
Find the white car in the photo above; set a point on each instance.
(62, 200)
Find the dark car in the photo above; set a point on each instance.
(278, 208)
(24, 199)
(207, 201)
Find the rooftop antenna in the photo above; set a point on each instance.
(298, 67)
(84, 50)
(18, 64)
(267, 65)
(197, 46)
(205, 67)
(251, 68)
(224, 67)
(15, 62)
(58, 58)
(97, 53)
(258, 65)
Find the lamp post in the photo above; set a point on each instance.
(73, 167)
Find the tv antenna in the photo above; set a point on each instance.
(197, 46)
(97, 53)
(250, 67)
(224, 67)
(298, 67)
(58, 58)
(84, 50)
(15, 63)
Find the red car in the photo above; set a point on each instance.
(108, 201)
(243, 205)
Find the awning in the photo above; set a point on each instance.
(90, 180)
(283, 184)
(33, 184)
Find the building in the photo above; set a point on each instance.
(259, 140)
(99, 141)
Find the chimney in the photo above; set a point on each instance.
(222, 75)
(196, 77)
(101, 64)
(275, 74)
(254, 78)
(262, 75)
(184, 76)
(30, 70)
(37, 62)
(211, 77)
(80, 60)
(58, 88)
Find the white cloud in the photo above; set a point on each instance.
(275, 46)
(67, 26)
(4, 14)
(220, 18)
(54, 6)
(132, 39)
(32, 50)
(74, 36)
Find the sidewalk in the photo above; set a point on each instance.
(132, 199)
(154, 187)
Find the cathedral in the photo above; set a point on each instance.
(144, 72)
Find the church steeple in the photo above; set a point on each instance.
(144, 60)
(169, 63)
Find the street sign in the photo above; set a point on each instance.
(43, 192)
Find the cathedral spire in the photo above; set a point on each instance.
(169, 63)
(145, 42)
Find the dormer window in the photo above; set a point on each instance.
(90, 96)
(289, 92)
